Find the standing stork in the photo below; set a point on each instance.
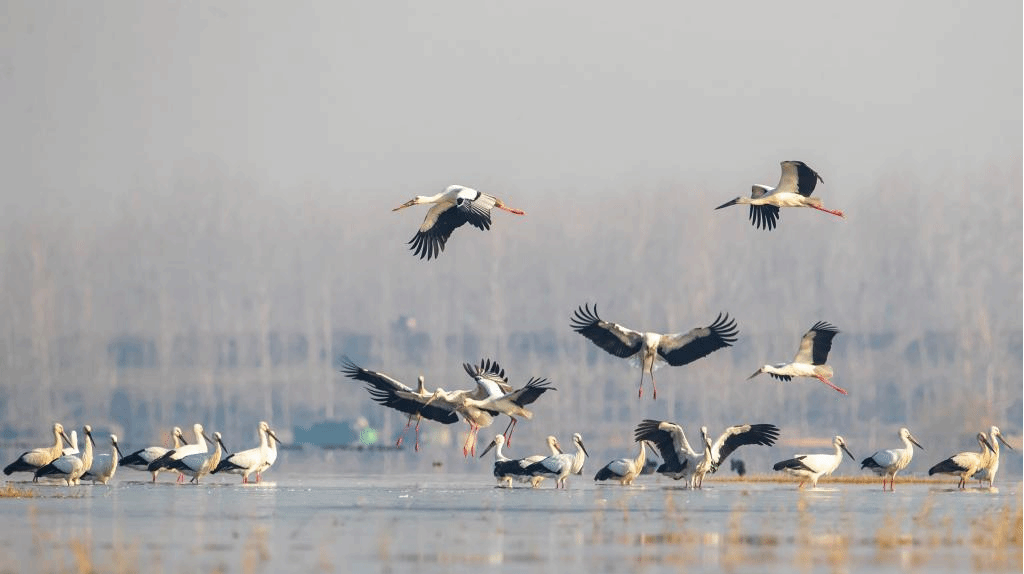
(624, 470)
(988, 472)
(452, 208)
(508, 469)
(814, 466)
(886, 463)
(680, 460)
(731, 439)
(646, 349)
(965, 464)
(810, 358)
(104, 465)
(512, 403)
(71, 467)
(33, 460)
(793, 190)
(140, 459)
(199, 464)
(560, 466)
(248, 461)
(396, 395)
(167, 460)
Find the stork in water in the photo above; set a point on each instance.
(680, 459)
(814, 466)
(731, 439)
(965, 464)
(648, 348)
(887, 463)
(793, 190)
(624, 470)
(560, 466)
(33, 460)
(988, 472)
(451, 209)
(810, 358)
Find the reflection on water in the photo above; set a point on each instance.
(439, 523)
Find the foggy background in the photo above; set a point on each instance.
(196, 218)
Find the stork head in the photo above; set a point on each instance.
(905, 434)
(996, 434)
(577, 438)
(841, 443)
(498, 440)
(984, 442)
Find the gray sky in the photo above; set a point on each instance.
(405, 98)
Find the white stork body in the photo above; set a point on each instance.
(167, 460)
(731, 439)
(199, 464)
(624, 470)
(33, 460)
(793, 190)
(560, 466)
(814, 466)
(810, 358)
(268, 462)
(508, 469)
(647, 349)
(393, 393)
(965, 464)
(988, 471)
(72, 447)
(246, 462)
(141, 459)
(451, 209)
(104, 465)
(512, 403)
(680, 460)
(70, 467)
(886, 463)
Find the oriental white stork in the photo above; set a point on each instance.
(104, 465)
(248, 461)
(814, 466)
(512, 403)
(810, 358)
(731, 439)
(199, 464)
(793, 190)
(965, 464)
(560, 466)
(886, 463)
(647, 349)
(394, 394)
(166, 461)
(452, 208)
(33, 460)
(508, 469)
(271, 454)
(140, 459)
(988, 472)
(680, 460)
(71, 467)
(624, 470)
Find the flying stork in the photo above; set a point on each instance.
(452, 208)
(887, 463)
(813, 466)
(793, 190)
(810, 358)
(512, 403)
(395, 394)
(646, 349)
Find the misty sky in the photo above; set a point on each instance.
(100, 98)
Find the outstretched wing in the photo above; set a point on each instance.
(739, 435)
(816, 344)
(396, 395)
(531, 392)
(475, 208)
(665, 436)
(797, 177)
(441, 220)
(680, 349)
(613, 338)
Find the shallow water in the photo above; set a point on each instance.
(462, 523)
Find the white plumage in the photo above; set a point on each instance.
(886, 463)
(814, 466)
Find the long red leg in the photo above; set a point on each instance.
(829, 383)
(654, 385)
(833, 212)
(402, 436)
(640, 393)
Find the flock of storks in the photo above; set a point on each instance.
(493, 395)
